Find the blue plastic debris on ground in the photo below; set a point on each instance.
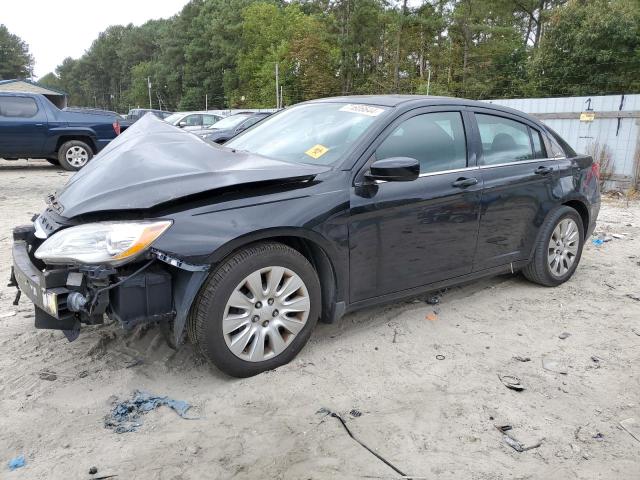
(16, 462)
(597, 241)
(125, 416)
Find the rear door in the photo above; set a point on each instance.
(519, 179)
(23, 126)
(405, 235)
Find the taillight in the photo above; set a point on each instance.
(116, 127)
(595, 170)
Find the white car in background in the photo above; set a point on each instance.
(193, 120)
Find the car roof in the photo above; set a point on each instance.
(382, 100)
(204, 112)
(146, 110)
(409, 101)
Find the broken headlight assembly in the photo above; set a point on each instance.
(104, 243)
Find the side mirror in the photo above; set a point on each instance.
(182, 124)
(395, 169)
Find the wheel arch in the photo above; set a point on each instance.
(314, 248)
(81, 138)
(579, 206)
(582, 210)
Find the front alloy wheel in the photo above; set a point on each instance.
(256, 310)
(264, 314)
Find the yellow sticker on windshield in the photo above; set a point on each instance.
(317, 151)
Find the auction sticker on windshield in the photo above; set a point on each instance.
(362, 109)
(317, 151)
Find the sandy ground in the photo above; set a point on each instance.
(430, 418)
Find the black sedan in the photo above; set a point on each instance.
(323, 208)
(227, 128)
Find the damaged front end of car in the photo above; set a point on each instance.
(82, 272)
(119, 237)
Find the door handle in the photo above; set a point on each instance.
(464, 182)
(543, 170)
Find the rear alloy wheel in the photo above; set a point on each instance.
(74, 155)
(563, 247)
(558, 250)
(257, 309)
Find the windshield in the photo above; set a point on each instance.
(316, 133)
(230, 122)
(174, 118)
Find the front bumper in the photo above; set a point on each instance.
(68, 296)
(45, 289)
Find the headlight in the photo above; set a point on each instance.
(112, 243)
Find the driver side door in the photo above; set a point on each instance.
(404, 235)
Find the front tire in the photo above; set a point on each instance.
(558, 249)
(74, 154)
(257, 310)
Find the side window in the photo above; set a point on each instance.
(538, 144)
(209, 120)
(559, 147)
(503, 140)
(193, 120)
(24, 107)
(436, 140)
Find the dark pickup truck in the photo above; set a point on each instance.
(33, 127)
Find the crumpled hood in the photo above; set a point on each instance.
(153, 162)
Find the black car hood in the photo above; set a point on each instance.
(153, 162)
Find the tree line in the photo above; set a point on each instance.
(224, 52)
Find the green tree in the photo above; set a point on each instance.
(284, 35)
(589, 48)
(211, 54)
(226, 51)
(15, 59)
(50, 80)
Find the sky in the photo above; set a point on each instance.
(56, 29)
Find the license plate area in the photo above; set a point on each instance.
(47, 300)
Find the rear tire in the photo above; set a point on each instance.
(558, 249)
(268, 328)
(74, 154)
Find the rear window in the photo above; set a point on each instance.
(559, 147)
(538, 144)
(24, 107)
(503, 140)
